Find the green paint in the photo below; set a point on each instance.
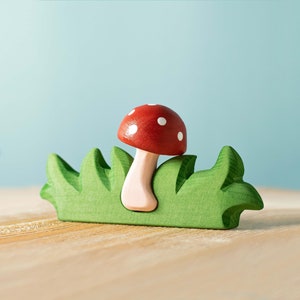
(212, 198)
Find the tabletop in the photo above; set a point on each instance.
(43, 258)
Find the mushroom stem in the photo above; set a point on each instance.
(137, 191)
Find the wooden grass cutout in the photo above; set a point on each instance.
(213, 198)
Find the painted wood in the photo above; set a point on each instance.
(152, 129)
(137, 194)
(173, 195)
(212, 198)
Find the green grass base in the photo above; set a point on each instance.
(212, 198)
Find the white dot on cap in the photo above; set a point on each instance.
(131, 112)
(151, 104)
(161, 121)
(180, 136)
(132, 129)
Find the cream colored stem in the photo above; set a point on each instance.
(137, 191)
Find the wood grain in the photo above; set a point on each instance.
(42, 258)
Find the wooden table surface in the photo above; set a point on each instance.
(43, 258)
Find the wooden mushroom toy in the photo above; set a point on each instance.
(153, 130)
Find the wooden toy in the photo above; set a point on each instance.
(133, 191)
(153, 130)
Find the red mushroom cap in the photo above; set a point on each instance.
(154, 128)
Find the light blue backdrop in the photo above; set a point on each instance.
(70, 71)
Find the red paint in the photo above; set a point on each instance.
(150, 135)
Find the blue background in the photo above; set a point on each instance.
(70, 71)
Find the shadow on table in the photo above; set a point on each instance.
(270, 221)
